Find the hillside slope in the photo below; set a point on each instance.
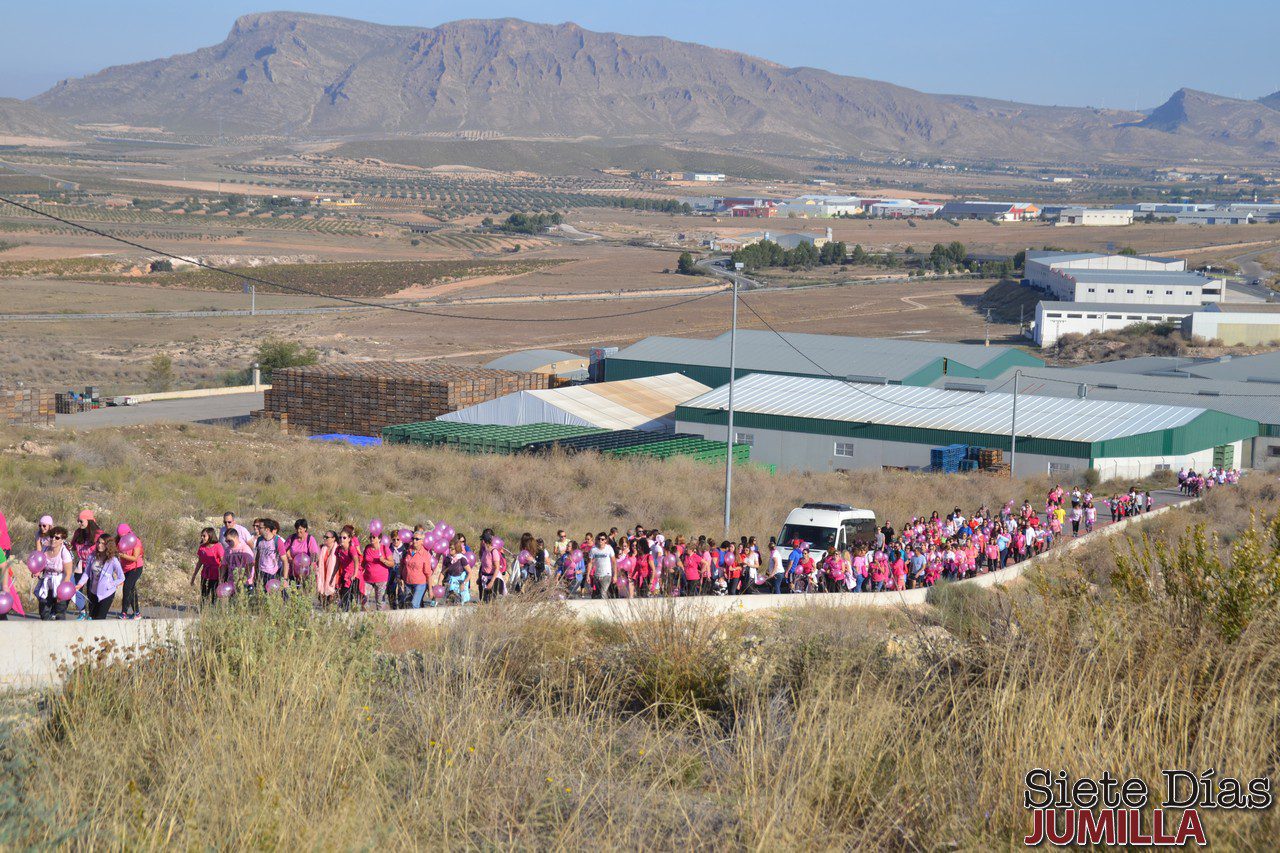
(24, 119)
(311, 75)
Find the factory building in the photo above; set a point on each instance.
(1093, 216)
(1247, 323)
(807, 424)
(1044, 267)
(878, 360)
(1244, 387)
(1055, 319)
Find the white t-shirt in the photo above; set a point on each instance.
(602, 560)
(47, 584)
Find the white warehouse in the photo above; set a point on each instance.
(1055, 319)
(1041, 267)
(809, 424)
(1134, 287)
(1094, 216)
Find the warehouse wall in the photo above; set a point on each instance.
(795, 451)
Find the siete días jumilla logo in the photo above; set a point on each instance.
(1110, 811)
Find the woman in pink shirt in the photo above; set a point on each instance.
(377, 560)
(132, 562)
(347, 558)
(209, 558)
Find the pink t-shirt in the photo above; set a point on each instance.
(374, 570)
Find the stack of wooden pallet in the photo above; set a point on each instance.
(361, 398)
(27, 407)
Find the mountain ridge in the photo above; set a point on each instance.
(319, 76)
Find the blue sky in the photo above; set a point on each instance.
(1118, 53)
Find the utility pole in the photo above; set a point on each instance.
(253, 300)
(1013, 430)
(986, 330)
(728, 462)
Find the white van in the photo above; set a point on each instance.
(827, 526)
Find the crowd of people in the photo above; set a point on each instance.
(432, 564)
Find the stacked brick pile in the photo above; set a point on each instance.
(360, 398)
(27, 407)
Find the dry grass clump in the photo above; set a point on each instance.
(520, 728)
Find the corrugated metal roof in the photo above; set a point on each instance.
(1038, 416)
(646, 403)
(1049, 257)
(532, 359)
(840, 355)
(1120, 307)
(1260, 401)
(1240, 368)
(1153, 277)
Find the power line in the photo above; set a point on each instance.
(348, 299)
(854, 385)
(1109, 387)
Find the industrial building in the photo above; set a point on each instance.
(1093, 216)
(553, 362)
(1003, 211)
(807, 424)
(1135, 287)
(882, 360)
(1247, 323)
(1244, 387)
(643, 404)
(1055, 319)
(1214, 217)
(821, 206)
(1044, 267)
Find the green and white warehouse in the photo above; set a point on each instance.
(807, 423)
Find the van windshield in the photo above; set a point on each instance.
(819, 538)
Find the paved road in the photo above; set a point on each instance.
(226, 407)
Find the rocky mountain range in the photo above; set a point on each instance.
(312, 76)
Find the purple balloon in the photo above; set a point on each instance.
(437, 591)
(440, 548)
(6, 603)
(302, 562)
(375, 527)
(128, 542)
(406, 535)
(274, 585)
(66, 591)
(498, 543)
(226, 589)
(669, 562)
(471, 558)
(37, 562)
(449, 532)
(385, 539)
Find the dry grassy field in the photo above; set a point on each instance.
(518, 726)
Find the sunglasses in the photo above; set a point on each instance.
(418, 539)
(57, 539)
(345, 538)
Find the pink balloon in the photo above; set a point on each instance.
(498, 543)
(730, 560)
(302, 562)
(225, 589)
(274, 585)
(36, 562)
(449, 532)
(66, 591)
(437, 591)
(670, 562)
(6, 603)
(440, 547)
(375, 527)
(128, 542)
(471, 558)
(406, 535)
